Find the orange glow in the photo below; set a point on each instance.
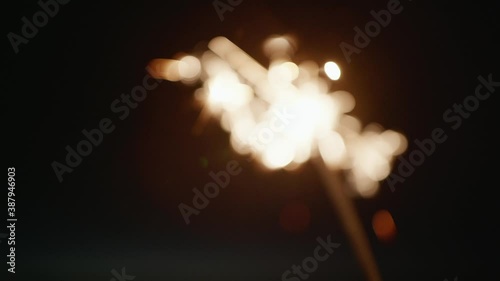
(384, 225)
(165, 69)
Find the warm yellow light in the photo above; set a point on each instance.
(285, 114)
(165, 69)
(282, 74)
(396, 141)
(278, 154)
(189, 67)
(363, 185)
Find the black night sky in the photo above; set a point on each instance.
(119, 207)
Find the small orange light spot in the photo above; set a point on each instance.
(384, 226)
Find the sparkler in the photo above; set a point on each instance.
(246, 97)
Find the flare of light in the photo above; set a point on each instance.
(284, 114)
(332, 70)
(189, 68)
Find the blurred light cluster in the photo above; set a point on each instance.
(285, 114)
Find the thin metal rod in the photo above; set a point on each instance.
(349, 219)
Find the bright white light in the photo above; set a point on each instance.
(332, 70)
(226, 92)
(278, 154)
(282, 74)
(286, 114)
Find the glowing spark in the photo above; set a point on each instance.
(332, 70)
(284, 115)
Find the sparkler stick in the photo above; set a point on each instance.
(349, 219)
(244, 96)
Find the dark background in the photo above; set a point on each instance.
(119, 208)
